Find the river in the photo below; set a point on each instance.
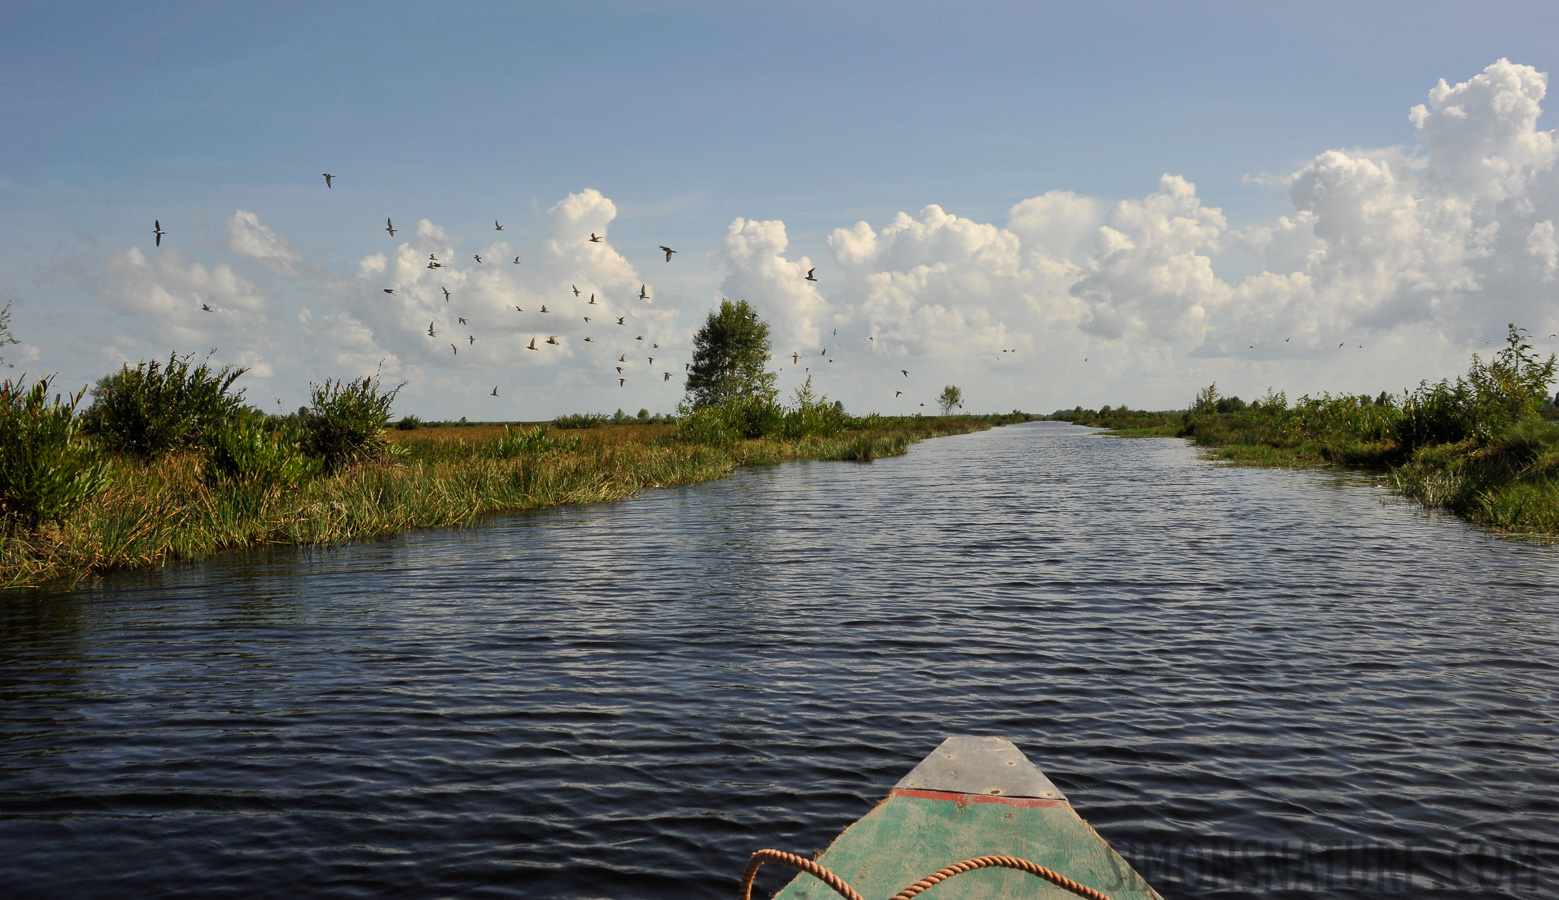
(1252, 682)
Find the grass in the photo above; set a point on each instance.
(159, 510)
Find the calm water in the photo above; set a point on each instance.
(1254, 683)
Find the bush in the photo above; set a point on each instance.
(152, 409)
(516, 443)
(813, 415)
(346, 420)
(408, 423)
(579, 420)
(244, 450)
(45, 470)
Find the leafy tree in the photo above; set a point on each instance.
(6, 338)
(153, 408)
(951, 397)
(729, 355)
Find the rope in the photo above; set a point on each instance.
(795, 862)
(935, 878)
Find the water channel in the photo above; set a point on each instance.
(1252, 682)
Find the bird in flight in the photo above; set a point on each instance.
(619, 370)
(623, 358)
(621, 382)
(639, 338)
(477, 257)
(462, 319)
(532, 345)
(576, 290)
(446, 292)
(553, 339)
(592, 299)
(643, 293)
(810, 277)
(896, 394)
(906, 372)
(455, 349)
(668, 250)
(656, 346)
(390, 227)
(652, 360)
(543, 307)
(471, 338)
(795, 358)
(1340, 343)
(495, 390)
(496, 225)
(620, 319)
(516, 260)
(836, 332)
(206, 307)
(587, 318)
(431, 332)
(590, 339)
(389, 290)
(157, 230)
(328, 176)
(594, 239)
(668, 376)
(517, 308)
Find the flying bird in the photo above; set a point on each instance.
(896, 394)
(495, 390)
(656, 346)
(446, 293)
(471, 338)
(206, 307)
(496, 225)
(532, 345)
(543, 307)
(643, 295)
(157, 230)
(668, 250)
(462, 319)
(517, 308)
(390, 227)
(668, 376)
(590, 339)
(389, 290)
(516, 260)
(553, 339)
(619, 370)
(431, 332)
(594, 239)
(455, 349)
(477, 257)
(906, 372)
(620, 319)
(809, 274)
(328, 176)
(587, 318)
(795, 358)
(623, 358)
(639, 338)
(652, 360)
(576, 290)
(592, 299)
(621, 382)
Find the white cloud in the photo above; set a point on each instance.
(249, 238)
(776, 286)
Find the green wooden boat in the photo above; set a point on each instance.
(973, 798)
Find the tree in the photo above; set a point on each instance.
(951, 397)
(6, 338)
(729, 355)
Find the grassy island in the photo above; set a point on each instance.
(1485, 446)
(166, 465)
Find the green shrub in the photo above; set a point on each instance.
(579, 420)
(409, 423)
(346, 421)
(517, 443)
(45, 469)
(243, 449)
(152, 409)
(813, 416)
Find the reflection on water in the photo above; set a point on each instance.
(1251, 681)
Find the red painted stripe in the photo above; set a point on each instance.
(973, 798)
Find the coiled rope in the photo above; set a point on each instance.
(935, 878)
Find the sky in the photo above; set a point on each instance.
(1044, 204)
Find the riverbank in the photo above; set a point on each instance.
(169, 509)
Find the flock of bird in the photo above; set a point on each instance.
(435, 263)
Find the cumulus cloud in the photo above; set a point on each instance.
(249, 238)
(776, 286)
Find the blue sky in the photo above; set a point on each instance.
(1008, 163)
